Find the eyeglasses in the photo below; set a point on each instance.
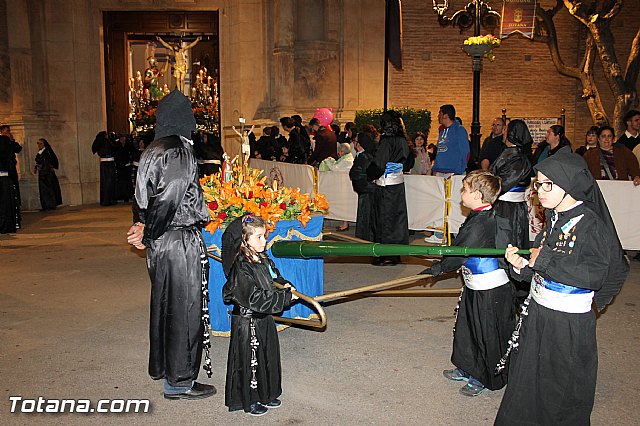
(547, 186)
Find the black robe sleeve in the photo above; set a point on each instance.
(478, 230)
(585, 265)
(358, 174)
(250, 285)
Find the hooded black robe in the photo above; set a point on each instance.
(363, 187)
(48, 185)
(9, 206)
(390, 219)
(104, 148)
(250, 289)
(209, 154)
(485, 318)
(553, 370)
(170, 203)
(513, 166)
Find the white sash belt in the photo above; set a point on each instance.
(513, 197)
(486, 281)
(563, 301)
(390, 179)
(103, 159)
(2, 174)
(209, 162)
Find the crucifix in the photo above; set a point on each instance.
(244, 139)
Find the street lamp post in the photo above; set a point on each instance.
(476, 13)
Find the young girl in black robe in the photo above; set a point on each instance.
(253, 365)
(486, 310)
(577, 259)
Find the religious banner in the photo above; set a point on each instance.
(538, 128)
(518, 16)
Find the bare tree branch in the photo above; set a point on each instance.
(590, 92)
(552, 42)
(577, 10)
(559, 6)
(633, 63)
(615, 8)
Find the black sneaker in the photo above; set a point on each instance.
(273, 404)
(258, 409)
(471, 389)
(455, 374)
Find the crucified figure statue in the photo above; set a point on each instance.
(180, 53)
(244, 138)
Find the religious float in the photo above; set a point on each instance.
(290, 216)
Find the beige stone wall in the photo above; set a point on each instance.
(277, 57)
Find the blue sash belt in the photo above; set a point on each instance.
(392, 168)
(482, 265)
(563, 288)
(518, 189)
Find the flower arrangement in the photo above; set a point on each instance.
(247, 192)
(488, 42)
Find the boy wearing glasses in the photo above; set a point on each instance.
(486, 310)
(577, 259)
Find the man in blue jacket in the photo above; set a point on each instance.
(453, 145)
(453, 152)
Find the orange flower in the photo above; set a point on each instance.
(248, 192)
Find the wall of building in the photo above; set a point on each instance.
(277, 57)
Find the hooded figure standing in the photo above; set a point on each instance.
(365, 146)
(513, 166)
(577, 260)
(169, 211)
(390, 219)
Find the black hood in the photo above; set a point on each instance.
(174, 116)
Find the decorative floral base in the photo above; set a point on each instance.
(476, 49)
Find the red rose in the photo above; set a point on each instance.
(263, 204)
(250, 194)
(283, 206)
(222, 215)
(213, 205)
(292, 202)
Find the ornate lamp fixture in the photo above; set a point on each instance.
(475, 14)
(466, 17)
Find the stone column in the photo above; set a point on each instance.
(283, 56)
(5, 67)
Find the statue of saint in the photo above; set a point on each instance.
(151, 78)
(180, 67)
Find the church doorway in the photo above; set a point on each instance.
(148, 54)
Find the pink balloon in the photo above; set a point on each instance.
(324, 115)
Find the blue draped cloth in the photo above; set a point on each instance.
(306, 275)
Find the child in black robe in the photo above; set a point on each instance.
(365, 148)
(253, 365)
(577, 260)
(486, 310)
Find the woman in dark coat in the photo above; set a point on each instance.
(46, 163)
